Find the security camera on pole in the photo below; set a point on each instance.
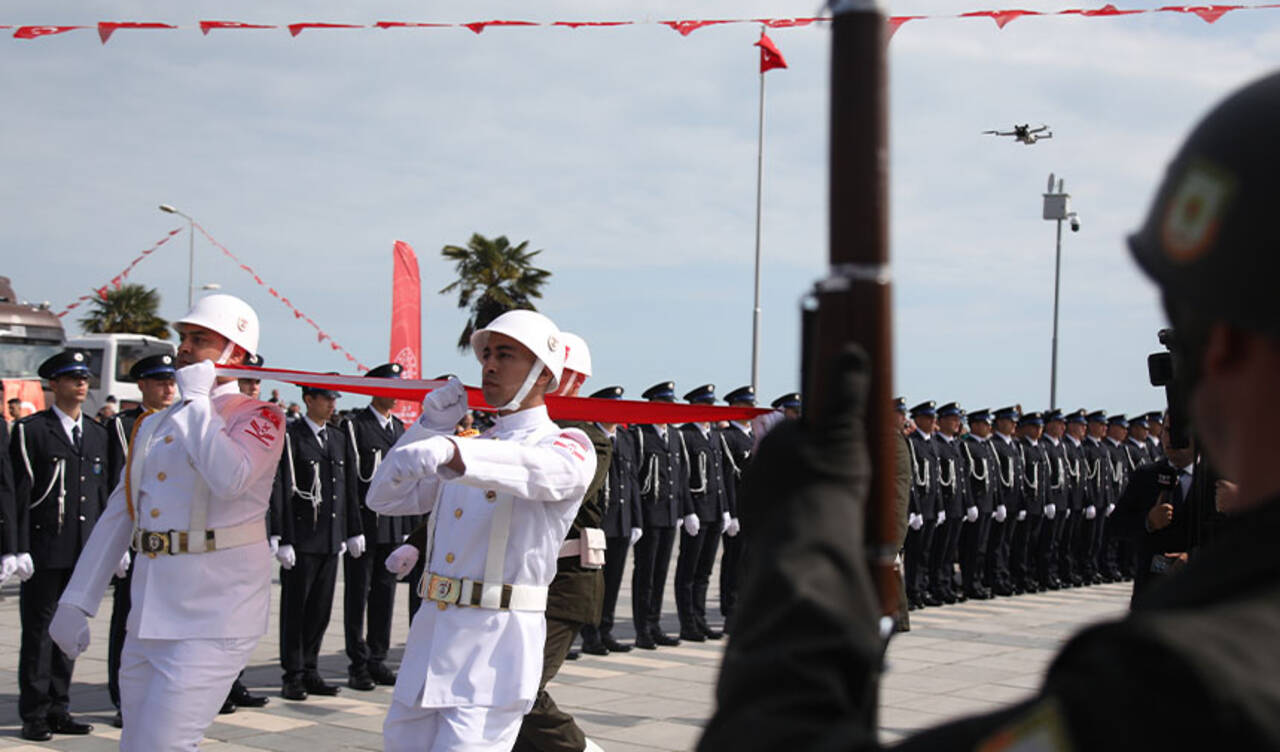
(1057, 206)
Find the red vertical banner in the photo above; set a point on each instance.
(406, 321)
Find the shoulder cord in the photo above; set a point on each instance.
(1062, 477)
(737, 473)
(916, 465)
(316, 495)
(58, 478)
(1034, 482)
(1129, 455)
(702, 472)
(947, 483)
(355, 448)
(124, 440)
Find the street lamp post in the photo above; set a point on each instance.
(191, 251)
(1057, 206)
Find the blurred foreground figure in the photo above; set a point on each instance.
(1196, 662)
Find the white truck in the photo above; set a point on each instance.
(110, 358)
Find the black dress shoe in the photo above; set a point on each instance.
(692, 636)
(228, 707)
(36, 731)
(928, 600)
(361, 681)
(1002, 588)
(978, 595)
(613, 646)
(712, 634)
(382, 675)
(241, 696)
(665, 640)
(319, 687)
(572, 656)
(65, 724)
(594, 648)
(293, 690)
(646, 643)
(117, 720)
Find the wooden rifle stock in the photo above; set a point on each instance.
(853, 302)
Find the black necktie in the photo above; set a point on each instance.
(391, 431)
(75, 438)
(320, 438)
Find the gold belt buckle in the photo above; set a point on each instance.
(152, 543)
(445, 589)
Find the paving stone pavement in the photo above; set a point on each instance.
(957, 660)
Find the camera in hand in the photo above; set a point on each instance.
(1163, 370)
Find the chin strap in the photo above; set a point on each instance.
(534, 372)
(226, 353)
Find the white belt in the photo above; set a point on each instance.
(467, 593)
(173, 542)
(571, 547)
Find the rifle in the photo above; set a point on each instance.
(852, 304)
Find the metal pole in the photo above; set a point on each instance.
(1057, 276)
(191, 261)
(755, 316)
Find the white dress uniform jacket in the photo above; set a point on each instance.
(221, 450)
(457, 656)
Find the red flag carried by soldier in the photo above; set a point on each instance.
(406, 322)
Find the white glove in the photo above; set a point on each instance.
(355, 546)
(1022, 515)
(1001, 513)
(274, 543)
(971, 514)
(401, 561)
(1110, 508)
(26, 567)
(443, 407)
(342, 548)
(122, 568)
(195, 380)
(1090, 512)
(286, 556)
(942, 516)
(420, 459)
(8, 567)
(691, 524)
(915, 521)
(69, 629)
(733, 528)
(724, 521)
(1050, 511)
(1066, 513)
(636, 534)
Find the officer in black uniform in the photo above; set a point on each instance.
(1195, 664)
(1155, 435)
(1114, 548)
(155, 378)
(8, 512)
(925, 506)
(320, 520)
(1008, 502)
(952, 492)
(59, 458)
(1136, 449)
(368, 588)
(664, 495)
(1026, 534)
(704, 520)
(980, 461)
(1068, 550)
(738, 441)
(1057, 499)
(623, 526)
(1095, 475)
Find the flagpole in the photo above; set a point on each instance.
(755, 319)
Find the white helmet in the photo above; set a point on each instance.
(227, 315)
(536, 332)
(577, 356)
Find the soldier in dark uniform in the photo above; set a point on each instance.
(154, 376)
(59, 459)
(737, 439)
(1068, 550)
(1114, 548)
(1024, 549)
(981, 462)
(1136, 451)
(369, 590)
(1057, 499)
(1155, 435)
(953, 496)
(925, 506)
(319, 521)
(8, 511)
(703, 522)
(1095, 476)
(623, 526)
(1195, 664)
(664, 495)
(1008, 502)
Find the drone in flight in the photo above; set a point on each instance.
(1024, 133)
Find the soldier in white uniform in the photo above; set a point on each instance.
(500, 506)
(192, 503)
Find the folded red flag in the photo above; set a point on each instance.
(770, 57)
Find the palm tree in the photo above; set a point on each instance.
(128, 309)
(493, 277)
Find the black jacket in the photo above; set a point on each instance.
(1096, 475)
(8, 511)
(622, 492)
(737, 455)
(316, 519)
(925, 499)
(664, 478)
(1035, 475)
(58, 492)
(370, 442)
(1058, 477)
(952, 472)
(119, 432)
(707, 479)
(980, 462)
(1008, 474)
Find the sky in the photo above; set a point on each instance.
(629, 156)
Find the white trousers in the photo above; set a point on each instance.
(462, 729)
(171, 690)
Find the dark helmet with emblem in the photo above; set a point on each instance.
(1210, 239)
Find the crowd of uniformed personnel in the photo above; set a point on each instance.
(1004, 502)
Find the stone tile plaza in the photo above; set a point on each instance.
(959, 659)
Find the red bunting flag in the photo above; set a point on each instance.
(896, 23)
(107, 28)
(1001, 17)
(480, 26)
(205, 26)
(298, 28)
(770, 57)
(31, 32)
(685, 28)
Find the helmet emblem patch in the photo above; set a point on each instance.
(242, 323)
(1194, 212)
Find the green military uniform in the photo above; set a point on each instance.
(574, 598)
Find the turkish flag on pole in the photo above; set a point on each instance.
(770, 57)
(406, 322)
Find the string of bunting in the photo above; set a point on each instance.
(1207, 13)
(101, 292)
(321, 335)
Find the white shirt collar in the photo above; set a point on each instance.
(744, 427)
(612, 433)
(68, 423)
(222, 390)
(383, 420)
(923, 435)
(316, 428)
(1113, 441)
(1074, 440)
(945, 437)
(521, 420)
(1050, 438)
(1007, 438)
